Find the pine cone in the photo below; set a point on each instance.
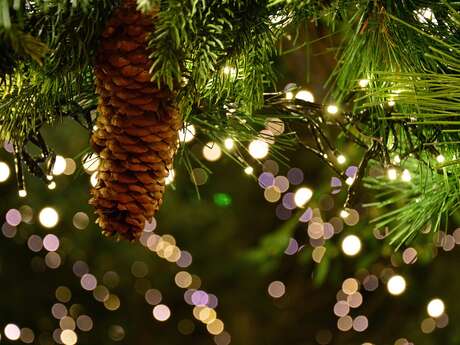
(137, 127)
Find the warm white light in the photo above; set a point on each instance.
(94, 179)
(344, 214)
(302, 196)
(332, 109)
(341, 159)
(187, 133)
(435, 308)
(69, 337)
(392, 174)
(440, 159)
(161, 312)
(170, 178)
(258, 149)
(91, 162)
(391, 103)
(363, 82)
(4, 171)
(12, 332)
(406, 176)
(349, 181)
(52, 185)
(248, 170)
(289, 95)
(397, 159)
(229, 70)
(396, 285)
(59, 165)
(229, 144)
(212, 151)
(305, 95)
(351, 245)
(22, 193)
(48, 217)
(425, 15)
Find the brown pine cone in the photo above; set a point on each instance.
(137, 127)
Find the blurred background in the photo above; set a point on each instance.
(258, 254)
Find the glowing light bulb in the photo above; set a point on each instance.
(391, 103)
(52, 185)
(305, 95)
(392, 174)
(332, 109)
(170, 178)
(289, 95)
(440, 159)
(258, 149)
(69, 337)
(435, 308)
(396, 285)
(48, 217)
(349, 181)
(212, 151)
(4, 171)
(59, 165)
(341, 159)
(397, 159)
(302, 196)
(248, 170)
(351, 245)
(91, 162)
(406, 176)
(344, 214)
(93, 180)
(229, 144)
(363, 82)
(161, 312)
(187, 133)
(229, 70)
(12, 331)
(22, 193)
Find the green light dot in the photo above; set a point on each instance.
(222, 199)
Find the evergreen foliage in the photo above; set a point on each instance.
(220, 57)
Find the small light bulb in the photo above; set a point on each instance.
(212, 151)
(435, 308)
(289, 95)
(392, 174)
(341, 159)
(49, 177)
(302, 196)
(248, 170)
(406, 176)
(332, 109)
(396, 285)
(344, 214)
(305, 95)
(52, 185)
(391, 103)
(397, 159)
(363, 82)
(351, 245)
(22, 193)
(4, 171)
(349, 181)
(440, 159)
(170, 178)
(258, 149)
(229, 70)
(229, 144)
(187, 133)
